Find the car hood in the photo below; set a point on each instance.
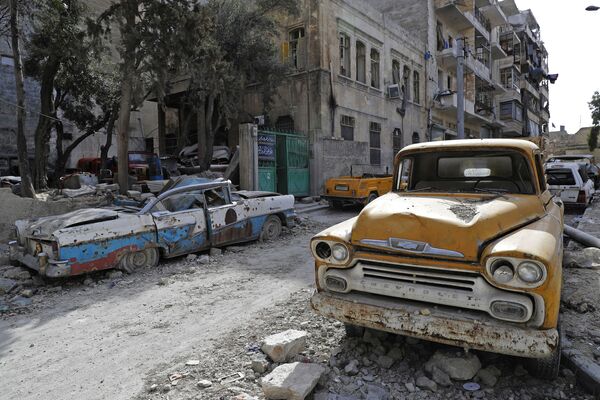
(441, 226)
(44, 228)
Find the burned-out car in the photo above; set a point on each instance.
(185, 219)
(466, 250)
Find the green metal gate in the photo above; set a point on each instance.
(284, 163)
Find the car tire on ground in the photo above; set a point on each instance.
(371, 198)
(271, 229)
(140, 259)
(548, 367)
(354, 331)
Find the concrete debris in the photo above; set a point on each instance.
(284, 346)
(440, 377)
(192, 362)
(244, 396)
(489, 376)
(134, 194)
(17, 273)
(7, 285)
(260, 364)
(385, 361)
(352, 368)
(293, 381)
(462, 367)
(215, 252)
(191, 257)
(424, 382)
(114, 274)
(203, 259)
(28, 293)
(20, 301)
(203, 384)
(83, 191)
(586, 258)
(376, 392)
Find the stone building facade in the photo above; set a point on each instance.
(358, 87)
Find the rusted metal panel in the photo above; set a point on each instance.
(454, 329)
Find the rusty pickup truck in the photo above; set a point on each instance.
(356, 189)
(189, 218)
(466, 250)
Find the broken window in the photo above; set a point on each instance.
(361, 62)
(375, 143)
(416, 87)
(375, 63)
(344, 55)
(296, 40)
(405, 82)
(397, 140)
(396, 72)
(347, 125)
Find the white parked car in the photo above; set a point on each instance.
(570, 182)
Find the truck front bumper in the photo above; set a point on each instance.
(345, 200)
(446, 326)
(40, 263)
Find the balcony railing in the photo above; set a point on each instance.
(482, 19)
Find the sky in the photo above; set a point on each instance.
(570, 34)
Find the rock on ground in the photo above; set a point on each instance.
(284, 346)
(6, 285)
(460, 367)
(425, 383)
(293, 381)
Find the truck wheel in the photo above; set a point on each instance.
(354, 331)
(371, 198)
(140, 259)
(548, 367)
(271, 229)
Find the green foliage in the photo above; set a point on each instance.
(595, 108)
(593, 138)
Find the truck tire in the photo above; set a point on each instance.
(354, 331)
(548, 367)
(371, 198)
(271, 229)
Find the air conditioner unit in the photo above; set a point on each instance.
(394, 91)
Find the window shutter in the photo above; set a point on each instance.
(301, 53)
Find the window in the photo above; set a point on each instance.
(405, 82)
(561, 177)
(396, 72)
(511, 110)
(361, 62)
(347, 124)
(296, 42)
(416, 138)
(344, 55)
(397, 140)
(449, 83)
(440, 80)
(416, 87)
(375, 143)
(375, 62)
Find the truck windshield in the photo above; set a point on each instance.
(467, 172)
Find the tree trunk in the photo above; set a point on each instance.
(110, 127)
(59, 168)
(130, 8)
(201, 131)
(26, 184)
(209, 135)
(44, 126)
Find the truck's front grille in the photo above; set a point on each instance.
(439, 278)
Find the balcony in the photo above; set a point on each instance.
(449, 105)
(526, 85)
(480, 22)
(544, 116)
(497, 50)
(493, 12)
(448, 59)
(544, 91)
(453, 12)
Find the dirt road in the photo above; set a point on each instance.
(99, 340)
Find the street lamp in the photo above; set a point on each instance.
(592, 8)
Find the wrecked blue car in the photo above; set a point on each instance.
(185, 219)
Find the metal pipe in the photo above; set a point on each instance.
(460, 88)
(581, 237)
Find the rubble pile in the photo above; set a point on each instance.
(317, 360)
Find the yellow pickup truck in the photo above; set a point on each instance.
(465, 250)
(356, 189)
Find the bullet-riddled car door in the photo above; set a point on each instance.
(228, 220)
(181, 223)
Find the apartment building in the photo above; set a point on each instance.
(505, 60)
(358, 87)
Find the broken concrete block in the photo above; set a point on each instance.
(461, 367)
(425, 383)
(134, 194)
(191, 257)
(6, 285)
(291, 381)
(489, 376)
(285, 345)
(215, 252)
(260, 364)
(204, 259)
(16, 273)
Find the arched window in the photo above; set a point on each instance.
(361, 62)
(416, 138)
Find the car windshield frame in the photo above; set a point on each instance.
(522, 179)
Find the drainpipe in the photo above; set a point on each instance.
(460, 86)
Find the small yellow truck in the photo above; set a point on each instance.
(356, 189)
(465, 250)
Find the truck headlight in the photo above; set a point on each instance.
(529, 272)
(516, 272)
(339, 252)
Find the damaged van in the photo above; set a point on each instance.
(466, 250)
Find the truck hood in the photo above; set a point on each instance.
(44, 228)
(440, 226)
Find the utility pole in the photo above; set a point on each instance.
(460, 87)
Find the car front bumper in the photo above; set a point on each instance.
(443, 326)
(40, 263)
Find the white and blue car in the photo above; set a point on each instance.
(191, 217)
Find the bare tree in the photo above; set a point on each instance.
(26, 182)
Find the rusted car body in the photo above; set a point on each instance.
(185, 219)
(466, 250)
(356, 189)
